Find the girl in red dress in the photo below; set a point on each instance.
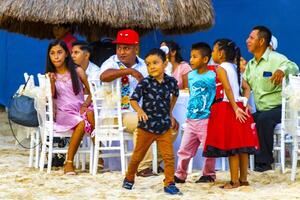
(231, 130)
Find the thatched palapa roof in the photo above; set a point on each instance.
(36, 18)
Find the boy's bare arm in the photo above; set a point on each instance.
(142, 116)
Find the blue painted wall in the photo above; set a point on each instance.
(234, 19)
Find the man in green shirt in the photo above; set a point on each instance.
(264, 73)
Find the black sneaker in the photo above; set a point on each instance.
(205, 179)
(263, 168)
(58, 160)
(127, 184)
(178, 180)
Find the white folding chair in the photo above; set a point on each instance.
(292, 119)
(282, 137)
(48, 132)
(190, 167)
(109, 129)
(32, 133)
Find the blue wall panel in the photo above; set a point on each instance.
(236, 18)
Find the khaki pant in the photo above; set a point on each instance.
(130, 121)
(165, 145)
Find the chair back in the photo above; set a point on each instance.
(107, 109)
(45, 105)
(291, 105)
(30, 83)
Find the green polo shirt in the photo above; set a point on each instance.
(266, 94)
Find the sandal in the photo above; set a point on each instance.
(244, 183)
(230, 185)
(69, 172)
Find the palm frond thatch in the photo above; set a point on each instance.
(36, 18)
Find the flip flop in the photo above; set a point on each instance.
(230, 185)
(244, 183)
(72, 173)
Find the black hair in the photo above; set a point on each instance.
(69, 64)
(204, 48)
(232, 54)
(173, 46)
(83, 45)
(264, 32)
(160, 53)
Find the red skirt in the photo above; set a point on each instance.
(227, 136)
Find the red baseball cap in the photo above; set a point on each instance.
(127, 36)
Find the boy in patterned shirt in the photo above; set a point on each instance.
(159, 93)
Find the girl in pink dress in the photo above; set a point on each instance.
(179, 68)
(71, 110)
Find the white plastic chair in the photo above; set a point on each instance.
(190, 167)
(109, 129)
(46, 112)
(32, 133)
(292, 119)
(282, 137)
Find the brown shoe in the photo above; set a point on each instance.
(145, 173)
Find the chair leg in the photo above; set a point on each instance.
(31, 150)
(251, 162)
(223, 162)
(294, 162)
(154, 156)
(91, 156)
(282, 153)
(77, 160)
(122, 152)
(126, 152)
(37, 148)
(49, 158)
(190, 167)
(83, 159)
(96, 155)
(43, 155)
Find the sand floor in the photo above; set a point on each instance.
(18, 181)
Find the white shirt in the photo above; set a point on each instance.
(231, 70)
(112, 63)
(168, 69)
(92, 71)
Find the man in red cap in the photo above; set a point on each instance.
(125, 64)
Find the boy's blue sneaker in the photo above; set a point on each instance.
(172, 189)
(127, 184)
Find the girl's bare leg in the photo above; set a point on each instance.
(73, 146)
(243, 157)
(234, 172)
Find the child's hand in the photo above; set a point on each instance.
(136, 74)
(174, 124)
(142, 116)
(241, 115)
(83, 109)
(248, 109)
(52, 77)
